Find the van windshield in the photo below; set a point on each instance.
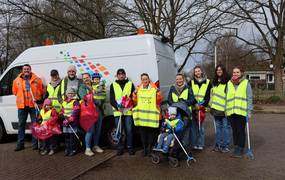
(6, 82)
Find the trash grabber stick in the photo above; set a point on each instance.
(199, 122)
(249, 152)
(33, 99)
(214, 122)
(189, 158)
(118, 130)
(75, 134)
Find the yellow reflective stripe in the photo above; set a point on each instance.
(219, 96)
(145, 111)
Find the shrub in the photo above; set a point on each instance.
(273, 99)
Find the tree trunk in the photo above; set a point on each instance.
(278, 72)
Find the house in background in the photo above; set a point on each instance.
(261, 76)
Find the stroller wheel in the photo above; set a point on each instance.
(173, 162)
(155, 158)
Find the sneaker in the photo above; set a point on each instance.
(88, 152)
(120, 152)
(225, 150)
(217, 149)
(72, 153)
(131, 152)
(195, 147)
(19, 148)
(44, 152)
(200, 148)
(98, 149)
(237, 153)
(51, 152)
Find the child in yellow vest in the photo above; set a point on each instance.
(48, 113)
(71, 112)
(171, 125)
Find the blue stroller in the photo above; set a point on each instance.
(175, 146)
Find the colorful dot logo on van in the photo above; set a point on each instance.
(83, 66)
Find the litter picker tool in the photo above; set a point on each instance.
(249, 152)
(189, 158)
(76, 135)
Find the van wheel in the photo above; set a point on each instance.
(2, 132)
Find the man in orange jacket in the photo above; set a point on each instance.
(28, 89)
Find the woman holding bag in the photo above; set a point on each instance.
(201, 88)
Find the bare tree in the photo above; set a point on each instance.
(83, 19)
(268, 19)
(184, 22)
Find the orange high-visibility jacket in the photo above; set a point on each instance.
(21, 93)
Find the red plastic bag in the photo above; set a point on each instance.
(88, 112)
(127, 102)
(202, 113)
(45, 130)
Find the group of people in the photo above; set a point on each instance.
(228, 99)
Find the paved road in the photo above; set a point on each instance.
(268, 137)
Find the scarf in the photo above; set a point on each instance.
(179, 89)
(55, 83)
(236, 80)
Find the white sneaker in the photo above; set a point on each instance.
(200, 148)
(98, 149)
(88, 152)
(195, 147)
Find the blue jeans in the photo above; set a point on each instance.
(127, 127)
(222, 131)
(162, 143)
(22, 116)
(197, 136)
(88, 136)
(98, 127)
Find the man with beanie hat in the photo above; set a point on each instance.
(70, 81)
(122, 87)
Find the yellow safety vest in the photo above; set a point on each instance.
(146, 113)
(119, 93)
(68, 108)
(199, 93)
(183, 95)
(172, 123)
(237, 99)
(45, 115)
(99, 95)
(218, 99)
(52, 95)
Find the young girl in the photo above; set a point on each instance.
(71, 112)
(48, 115)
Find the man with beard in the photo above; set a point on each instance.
(28, 89)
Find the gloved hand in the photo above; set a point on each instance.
(65, 122)
(39, 120)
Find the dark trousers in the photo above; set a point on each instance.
(50, 143)
(70, 142)
(148, 137)
(22, 116)
(238, 124)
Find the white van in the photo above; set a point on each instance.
(136, 54)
